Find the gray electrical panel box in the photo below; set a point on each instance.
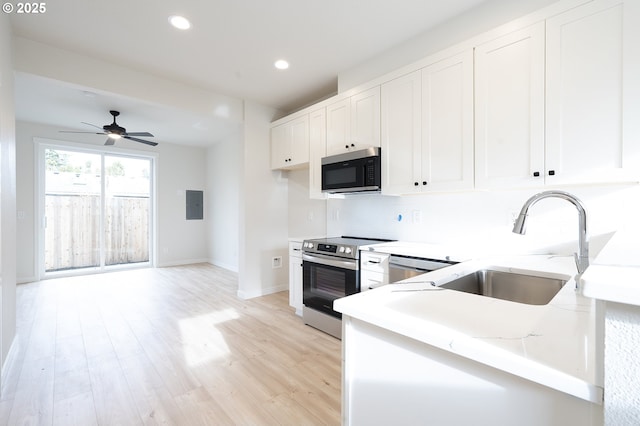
(194, 205)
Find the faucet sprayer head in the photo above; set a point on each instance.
(519, 226)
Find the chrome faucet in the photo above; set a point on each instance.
(582, 259)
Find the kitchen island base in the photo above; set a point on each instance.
(392, 379)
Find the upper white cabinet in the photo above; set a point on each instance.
(549, 99)
(401, 133)
(317, 150)
(354, 123)
(427, 128)
(509, 110)
(587, 71)
(447, 124)
(290, 143)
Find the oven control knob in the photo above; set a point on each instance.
(348, 250)
(310, 245)
(341, 250)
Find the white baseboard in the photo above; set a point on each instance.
(182, 262)
(227, 266)
(24, 280)
(263, 292)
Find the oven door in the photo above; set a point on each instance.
(326, 278)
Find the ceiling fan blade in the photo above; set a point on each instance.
(92, 125)
(141, 140)
(146, 134)
(74, 131)
(110, 141)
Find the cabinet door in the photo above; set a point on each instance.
(338, 127)
(290, 143)
(586, 80)
(509, 110)
(317, 150)
(447, 124)
(299, 145)
(295, 276)
(401, 134)
(279, 146)
(365, 119)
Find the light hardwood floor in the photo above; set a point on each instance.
(166, 346)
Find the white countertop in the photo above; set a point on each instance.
(552, 344)
(424, 250)
(614, 275)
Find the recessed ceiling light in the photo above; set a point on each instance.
(180, 22)
(281, 64)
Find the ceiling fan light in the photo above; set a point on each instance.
(114, 136)
(179, 22)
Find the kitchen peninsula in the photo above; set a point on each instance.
(414, 352)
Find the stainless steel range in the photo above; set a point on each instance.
(330, 270)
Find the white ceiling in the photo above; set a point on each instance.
(230, 50)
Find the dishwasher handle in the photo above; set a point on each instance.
(417, 264)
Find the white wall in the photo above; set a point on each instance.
(622, 364)
(480, 19)
(263, 211)
(307, 217)
(224, 170)
(7, 195)
(180, 241)
(178, 168)
(481, 221)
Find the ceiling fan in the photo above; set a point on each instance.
(114, 132)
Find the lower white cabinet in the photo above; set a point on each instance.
(374, 270)
(390, 379)
(295, 276)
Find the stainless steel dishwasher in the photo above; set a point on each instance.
(403, 267)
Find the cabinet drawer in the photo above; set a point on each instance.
(374, 262)
(295, 248)
(370, 280)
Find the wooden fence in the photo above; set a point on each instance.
(72, 234)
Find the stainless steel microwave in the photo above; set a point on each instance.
(356, 171)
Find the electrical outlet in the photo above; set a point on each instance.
(416, 216)
(276, 262)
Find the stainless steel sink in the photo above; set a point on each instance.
(515, 287)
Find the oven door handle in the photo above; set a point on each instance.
(330, 261)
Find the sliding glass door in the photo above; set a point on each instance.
(97, 210)
(127, 210)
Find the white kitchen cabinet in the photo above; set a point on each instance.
(509, 110)
(587, 73)
(354, 123)
(374, 270)
(401, 134)
(447, 124)
(427, 128)
(295, 276)
(317, 150)
(290, 143)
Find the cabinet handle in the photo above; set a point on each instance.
(424, 182)
(352, 145)
(552, 172)
(536, 174)
(415, 184)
